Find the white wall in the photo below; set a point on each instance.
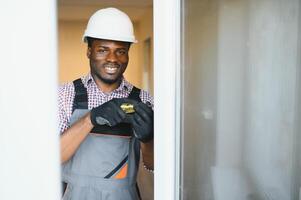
(29, 149)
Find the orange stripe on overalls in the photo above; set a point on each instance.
(122, 173)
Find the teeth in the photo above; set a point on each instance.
(111, 69)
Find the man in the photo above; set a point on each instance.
(104, 120)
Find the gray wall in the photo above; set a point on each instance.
(199, 97)
(240, 96)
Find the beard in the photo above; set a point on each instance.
(107, 80)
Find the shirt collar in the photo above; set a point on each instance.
(124, 85)
(87, 80)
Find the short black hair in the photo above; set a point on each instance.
(91, 39)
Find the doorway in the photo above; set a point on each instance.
(73, 16)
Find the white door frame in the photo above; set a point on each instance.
(166, 94)
(29, 139)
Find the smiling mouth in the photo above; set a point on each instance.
(111, 69)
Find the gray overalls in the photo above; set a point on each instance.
(104, 167)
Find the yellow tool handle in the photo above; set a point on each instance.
(127, 108)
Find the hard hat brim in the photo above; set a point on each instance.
(130, 40)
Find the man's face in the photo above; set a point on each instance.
(108, 60)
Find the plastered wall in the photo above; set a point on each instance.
(72, 51)
(240, 85)
(145, 31)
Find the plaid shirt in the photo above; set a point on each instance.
(95, 97)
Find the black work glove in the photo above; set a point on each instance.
(143, 122)
(108, 113)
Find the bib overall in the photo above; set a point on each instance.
(104, 166)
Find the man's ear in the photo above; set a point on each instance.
(89, 52)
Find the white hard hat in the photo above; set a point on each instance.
(110, 24)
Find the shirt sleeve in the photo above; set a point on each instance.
(65, 94)
(146, 98)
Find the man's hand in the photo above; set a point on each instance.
(143, 122)
(108, 113)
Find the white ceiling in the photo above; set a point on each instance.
(83, 9)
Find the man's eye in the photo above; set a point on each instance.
(121, 52)
(102, 51)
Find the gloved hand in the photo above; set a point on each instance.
(143, 122)
(108, 113)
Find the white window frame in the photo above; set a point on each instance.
(167, 60)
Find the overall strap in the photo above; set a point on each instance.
(81, 96)
(135, 94)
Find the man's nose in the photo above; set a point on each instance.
(111, 57)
